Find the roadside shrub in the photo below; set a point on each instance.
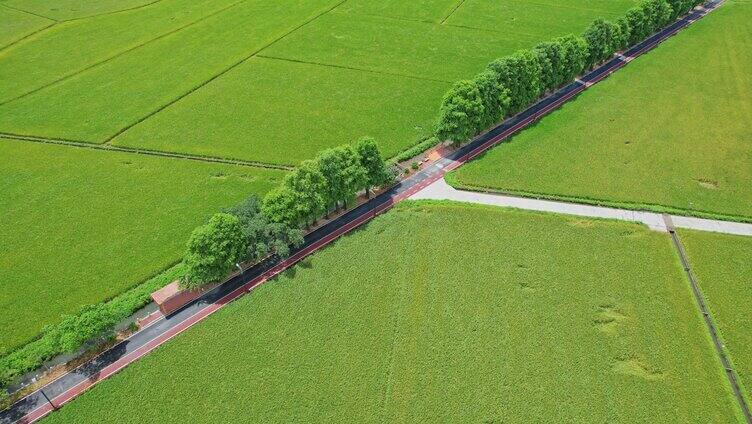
(75, 330)
(603, 39)
(461, 113)
(417, 149)
(213, 250)
(519, 73)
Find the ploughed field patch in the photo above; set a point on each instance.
(445, 312)
(81, 226)
(669, 132)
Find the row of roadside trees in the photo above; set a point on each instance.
(512, 83)
(255, 229)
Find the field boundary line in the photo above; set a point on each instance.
(112, 12)
(352, 68)
(118, 54)
(728, 367)
(147, 152)
(454, 9)
(219, 74)
(29, 35)
(29, 12)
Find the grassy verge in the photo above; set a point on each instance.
(652, 134)
(445, 312)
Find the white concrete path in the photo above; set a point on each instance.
(440, 190)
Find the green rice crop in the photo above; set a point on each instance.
(669, 132)
(80, 226)
(444, 313)
(722, 265)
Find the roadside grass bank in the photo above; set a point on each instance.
(464, 320)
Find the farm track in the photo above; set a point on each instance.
(112, 148)
(55, 394)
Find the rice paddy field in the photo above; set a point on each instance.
(79, 226)
(723, 267)
(441, 312)
(669, 132)
(269, 82)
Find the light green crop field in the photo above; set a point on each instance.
(148, 71)
(15, 25)
(61, 10)
(279, 105)
(80, 226)
(440, 312)
(722, 265)
(670, 132)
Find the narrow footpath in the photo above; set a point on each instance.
(440, 190)
(45, 400)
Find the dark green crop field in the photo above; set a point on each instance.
(439, 312)
(80, 226)
(723, 266)
(670, 132)
(264, 81)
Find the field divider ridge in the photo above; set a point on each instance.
(121, 53)
(710, 326)
(220, 73)
(147, 152)
(34, 406)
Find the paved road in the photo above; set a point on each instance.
(68, 386)
(440, 190)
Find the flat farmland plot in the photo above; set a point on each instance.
(444, 313)
(95, 105)
(284, 112)
(421, 10)
(73, 9)
(58, 53)
(378, 44)
(546, 19)
(15, 25)
(722, 265)
(80, 226)
(670, 132)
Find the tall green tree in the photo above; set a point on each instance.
(494, 98)
(461, 113)
(262, 236)
(639, 25)
(552, 60)
(575, 53)
(309, 189)
(344, 175)
(213, 250)
(603, 39)
(376, 173)
(279, 207)
(657, 13)
(520, 73)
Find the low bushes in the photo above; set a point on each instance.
(512, 83)
(95, 321)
